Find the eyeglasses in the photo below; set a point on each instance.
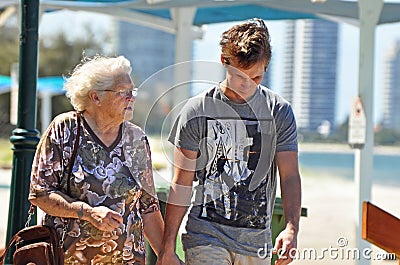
(124, 93)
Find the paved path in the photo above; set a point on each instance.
(5, 182)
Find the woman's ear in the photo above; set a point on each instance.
(94, 97)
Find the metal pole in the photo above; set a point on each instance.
(25, 136)
(369, 12)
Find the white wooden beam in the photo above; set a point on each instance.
(369, 12)
(183, 19)
(6, 14)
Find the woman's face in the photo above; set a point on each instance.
(118, 103)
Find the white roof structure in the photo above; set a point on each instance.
(183, 18)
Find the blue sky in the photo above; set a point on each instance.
(208, 49)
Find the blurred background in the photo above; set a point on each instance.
(314, 66)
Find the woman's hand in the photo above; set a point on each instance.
(103, 218)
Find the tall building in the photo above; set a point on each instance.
(148, 49)
(310, 73)
(152, 55)
(391, 89)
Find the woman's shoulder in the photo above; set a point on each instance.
(65, 117)
(63, 121)
(131, 128)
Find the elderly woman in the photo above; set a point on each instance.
(108, 202)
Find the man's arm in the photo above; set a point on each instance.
(291, 201)
(178, 202)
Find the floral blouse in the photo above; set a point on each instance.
(118, 176)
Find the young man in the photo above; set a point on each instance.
(230, 141)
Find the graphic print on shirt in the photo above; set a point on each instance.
(234, 151)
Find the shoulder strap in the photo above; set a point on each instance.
(75, 150)
(71, 164)
(12, 241)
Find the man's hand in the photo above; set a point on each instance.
(285, 245)
(168, 258)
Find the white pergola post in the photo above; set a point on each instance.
(183, 18)
(369, 13)
(45, 110)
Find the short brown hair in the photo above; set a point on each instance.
(246, 44)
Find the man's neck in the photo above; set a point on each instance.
(234, 96)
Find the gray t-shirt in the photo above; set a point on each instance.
(235, 170)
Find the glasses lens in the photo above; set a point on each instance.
(129, 93)
(134, 92)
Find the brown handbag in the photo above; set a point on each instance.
(40, 244)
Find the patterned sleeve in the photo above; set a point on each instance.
(148, 200)
(47, 166)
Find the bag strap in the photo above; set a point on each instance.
(12, 241)
(74, 152)
(32, 207)
(71, 165)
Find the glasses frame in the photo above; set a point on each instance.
(126, 93)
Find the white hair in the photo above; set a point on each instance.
(97, 73)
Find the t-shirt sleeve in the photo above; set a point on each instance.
(286, 129)
(186, 130)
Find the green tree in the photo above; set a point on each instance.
(9, 47)
(58, 54)
(342, 132)
(387, 137)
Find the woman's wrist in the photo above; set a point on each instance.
(80, 212)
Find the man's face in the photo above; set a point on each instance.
(243, 81)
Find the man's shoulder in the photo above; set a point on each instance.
(210, 92)
(273, 96)
(275, 101)
(198, 100)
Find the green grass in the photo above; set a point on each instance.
(6, 154)
(159, 150)
(179, 248)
